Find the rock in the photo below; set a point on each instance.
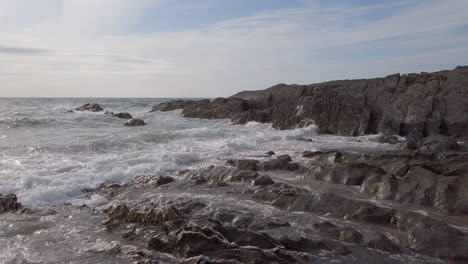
(90, 107)
(348, 174)
(157, 244)
(190, 244)
(9, 203)
(270, 153)
(443, 245)
(243, 164)
(111, 248)
(412, 142)
(322, 157)
(152, 180)
(178, 104)
(123, 115)
(220, 108)
(282, 162)
(439, 143)
(423, 104)
(297, 242)
(345, 234)
(381, 242)
(262, 181)
(241, 176)
(135, 122)
(385, 139)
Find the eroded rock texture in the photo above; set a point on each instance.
(420, 104)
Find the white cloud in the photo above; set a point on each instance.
(89, 53)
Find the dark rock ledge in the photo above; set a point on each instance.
(420, 104)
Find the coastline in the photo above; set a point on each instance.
(404, 205)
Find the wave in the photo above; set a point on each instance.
(27, 122)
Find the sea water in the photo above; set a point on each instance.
(49, 155)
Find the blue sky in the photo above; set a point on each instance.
(208, 48)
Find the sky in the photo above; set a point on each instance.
(210, 48)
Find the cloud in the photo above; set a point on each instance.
(21, 50)
(87, 50)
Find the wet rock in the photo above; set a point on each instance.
(280, 163)
(111, 248)
(247, 238)
(322, 157)
(381, 242)
(439, 143)
(90, 107)
(412, 142)
(243, 164)
(217, 174)
(220, 108)
(249, 255)
(442, 245)
(189, 244)
(348, 173)
(242, 176)
(345, 234)
(157, 244)
(270, 153)
(135, 122)
(178, 104)
(123, 115)
(398, 168)
(262, 181)
(299, 243)
(387, 139)
(152, 180)
(383, 187)
(9, 203)
(156, 216)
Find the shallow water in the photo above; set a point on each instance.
(48, 156)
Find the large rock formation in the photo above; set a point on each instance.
(420, 104)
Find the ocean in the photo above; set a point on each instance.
(49, 156)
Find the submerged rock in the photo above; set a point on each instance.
(90, 107)
(135, 122)
(9, 203)
(123, 115)
(262, 181)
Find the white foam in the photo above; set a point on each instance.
(52, 164)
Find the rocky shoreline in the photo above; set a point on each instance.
(408, 205)
(419, 104)
(328, 207)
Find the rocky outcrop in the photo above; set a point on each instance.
(422, 104)
(178, 104)
(135, 122)
(123, 115)
(428, 179)
(90, 107)
(9, 203)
